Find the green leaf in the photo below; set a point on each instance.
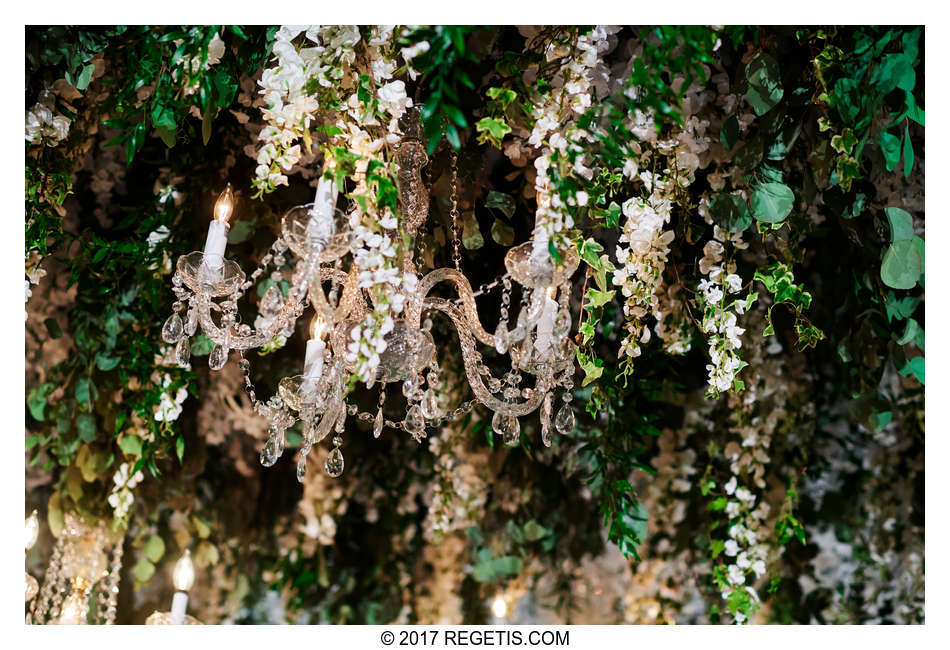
(914, 367)
(455, 114)
(729, 133)
(902, 224)
(53, 328)
(106, 363)
(86, 425)
(891, 148)
(143, 570)
(131, 445)
(82, 390)
(471, 234)
(595, 298)
(501, 201)
(765, 83)
(772, 202)
(908, 152)
(180, 448)
(502, 233)
(201, 345)
(36, 400)
(901, 267)
(533, 531)
(154, 548)
(731, 211)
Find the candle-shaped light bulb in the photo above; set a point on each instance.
(316, 347)
(546, 322)
(184, 574)
(32, 529)
(499, 607)
(224, 205)
(318, 327)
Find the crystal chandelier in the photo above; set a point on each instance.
(319, 238)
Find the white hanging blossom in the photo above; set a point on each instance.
(169, 406)
(43, 124)
(121, 497)
(720, 317)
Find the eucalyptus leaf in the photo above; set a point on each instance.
(772, 202)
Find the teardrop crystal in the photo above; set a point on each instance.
(501, 338)
(272, 301)
(508, 427)
(378, 423)
(172, 329)
(334, 464)
(270, 453)
(183, 352)
(564, 421)
(191, 322)
(429, 405)
(218, 357)
(415, 423)
(546, 421)
(301, 467)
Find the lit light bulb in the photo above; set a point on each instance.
(318, 326)
(32, 530)
(551, 291)
(499, 607)
(184, 574)
(224, 205)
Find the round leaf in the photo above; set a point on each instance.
(731, 211)
(772, 202)
(901, 267)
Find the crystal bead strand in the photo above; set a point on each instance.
(456, 253)
(39, 608)
(335, 463)
(501, 332)
(109, 588)
(378, 422)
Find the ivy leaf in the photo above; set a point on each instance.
(765, 83)
(36, 401)
(143, 570)
(491, 130)
(772, 202)
(131, 445)
(914, 367)
(731, 211)
(595, 298)
(82, 82)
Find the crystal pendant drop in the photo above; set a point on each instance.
(183, 352)
(415, 422)
(546, 421)
(334, 464)
(564, 421)
(191, 322)
(172, 329)
(218, 357)
(378, 423)
(501, 338)
(301, 467)
(271, 302)
(508, 427)
(271, 451)
(429, 405)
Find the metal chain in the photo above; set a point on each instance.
(456, 254)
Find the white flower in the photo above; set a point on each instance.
(731, 485)
(732, 548)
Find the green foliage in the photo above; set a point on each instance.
(444, 76)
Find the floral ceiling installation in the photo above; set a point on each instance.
(615, 324)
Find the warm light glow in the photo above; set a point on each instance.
(224, 205)
(551, 291)
(32, 529)
(318, 326)
(184, 575)
(499, 607)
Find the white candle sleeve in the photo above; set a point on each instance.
(215, 244)
(179, 606)
(546, 325)
(313, 363)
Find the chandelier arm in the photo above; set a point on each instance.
(471, 363)
(466, 295)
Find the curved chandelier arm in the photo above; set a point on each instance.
(466, 295)
(471, 362)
